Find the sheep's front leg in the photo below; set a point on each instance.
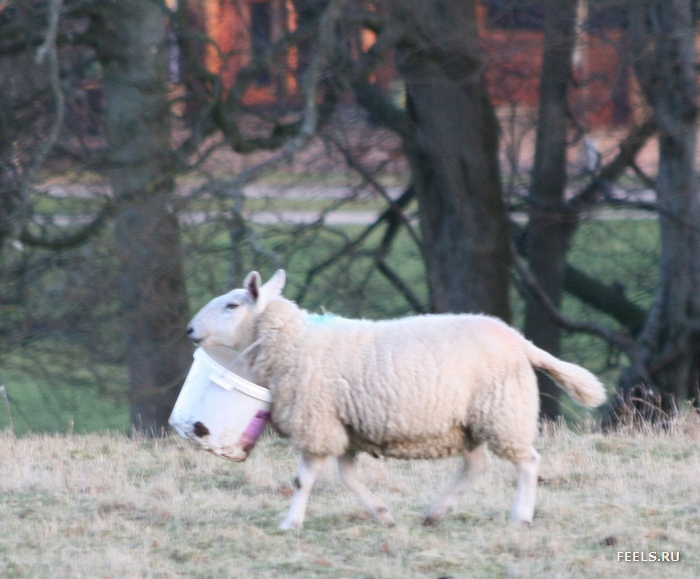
(309, 467)
(347, 469)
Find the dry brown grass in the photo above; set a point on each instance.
(109, 506)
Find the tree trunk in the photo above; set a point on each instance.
(454, 157)
(132, 46)
(663, 39)
(547, 233)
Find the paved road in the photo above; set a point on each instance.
(311, 193)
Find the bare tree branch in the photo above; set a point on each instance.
(69, 240)
(368, 176)
(350, 246)
(48, 51)
(326, 37)
(629, 148)
(310, 118)
(399, 284)
(621, 341)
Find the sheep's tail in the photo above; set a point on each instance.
(578, 382)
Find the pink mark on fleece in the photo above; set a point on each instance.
(254, 430)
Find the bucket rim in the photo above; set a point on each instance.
(227, 379)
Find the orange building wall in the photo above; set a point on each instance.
(512, 63)
(603, 88)
(227, 26)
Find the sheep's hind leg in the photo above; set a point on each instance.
(524, 505)
(309, 467)
(474, 462)
(347, 469)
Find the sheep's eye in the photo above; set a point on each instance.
(231, 306)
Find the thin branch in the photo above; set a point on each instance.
(398, 213)
(386, 215)
(399, 284)
(623, 342)
(219, 107)
(310, 118)
(588, 290)
(69, 240)
(48, 50)
(629, 148)
(327, 29)
(648, 181)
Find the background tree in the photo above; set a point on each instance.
(133, 47)
(547, 237)
(662, 38)
(453, 155)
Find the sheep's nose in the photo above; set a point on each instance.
(191, 336)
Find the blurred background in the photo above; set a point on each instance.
(530, 159)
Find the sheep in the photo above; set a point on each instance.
(419, 387)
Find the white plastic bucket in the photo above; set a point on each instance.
(219, 410)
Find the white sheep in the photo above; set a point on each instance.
(419, 387)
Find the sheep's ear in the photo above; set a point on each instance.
(274, 286)
(262, 294)
(271, 290)
(252, 284)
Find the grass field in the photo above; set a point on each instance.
(104, 505)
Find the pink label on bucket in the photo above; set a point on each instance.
(254, 430)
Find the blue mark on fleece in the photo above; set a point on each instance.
(320, 319)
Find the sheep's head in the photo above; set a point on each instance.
(228, 319)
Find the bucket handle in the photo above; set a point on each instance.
(257, 342)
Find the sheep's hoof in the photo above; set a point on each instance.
(521, 522)
(431, 521)
(384, 518)
(435, 515)
(290, 526)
